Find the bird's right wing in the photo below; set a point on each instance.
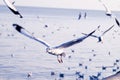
(90, 35)
(12, 8)
(75, 41)
(23, 31)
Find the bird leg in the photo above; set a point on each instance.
(59, 58)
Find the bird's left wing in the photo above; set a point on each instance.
(23, 31)
(75, 41)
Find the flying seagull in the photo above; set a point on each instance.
(93, 77)
(57, 50)
(12, 8)
(108, 11)
(99, 37)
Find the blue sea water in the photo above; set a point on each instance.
(20, 55)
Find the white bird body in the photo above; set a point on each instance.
(55, 51)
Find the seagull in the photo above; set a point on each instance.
(99, 37)
(12, 8)
(57, 50)
(79, 16)
(108, 11)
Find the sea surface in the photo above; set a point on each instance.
(20, 56)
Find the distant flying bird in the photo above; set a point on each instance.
(57, 50)
(12, 8)
(108, 11)
(79, 16)
(113, 77)
(99, 37)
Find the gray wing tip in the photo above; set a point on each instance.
(18, 27)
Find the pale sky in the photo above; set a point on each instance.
(76, 4)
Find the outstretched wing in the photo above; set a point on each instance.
(28, 34)
(75, 41)
(12, 8)
(107, 30)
